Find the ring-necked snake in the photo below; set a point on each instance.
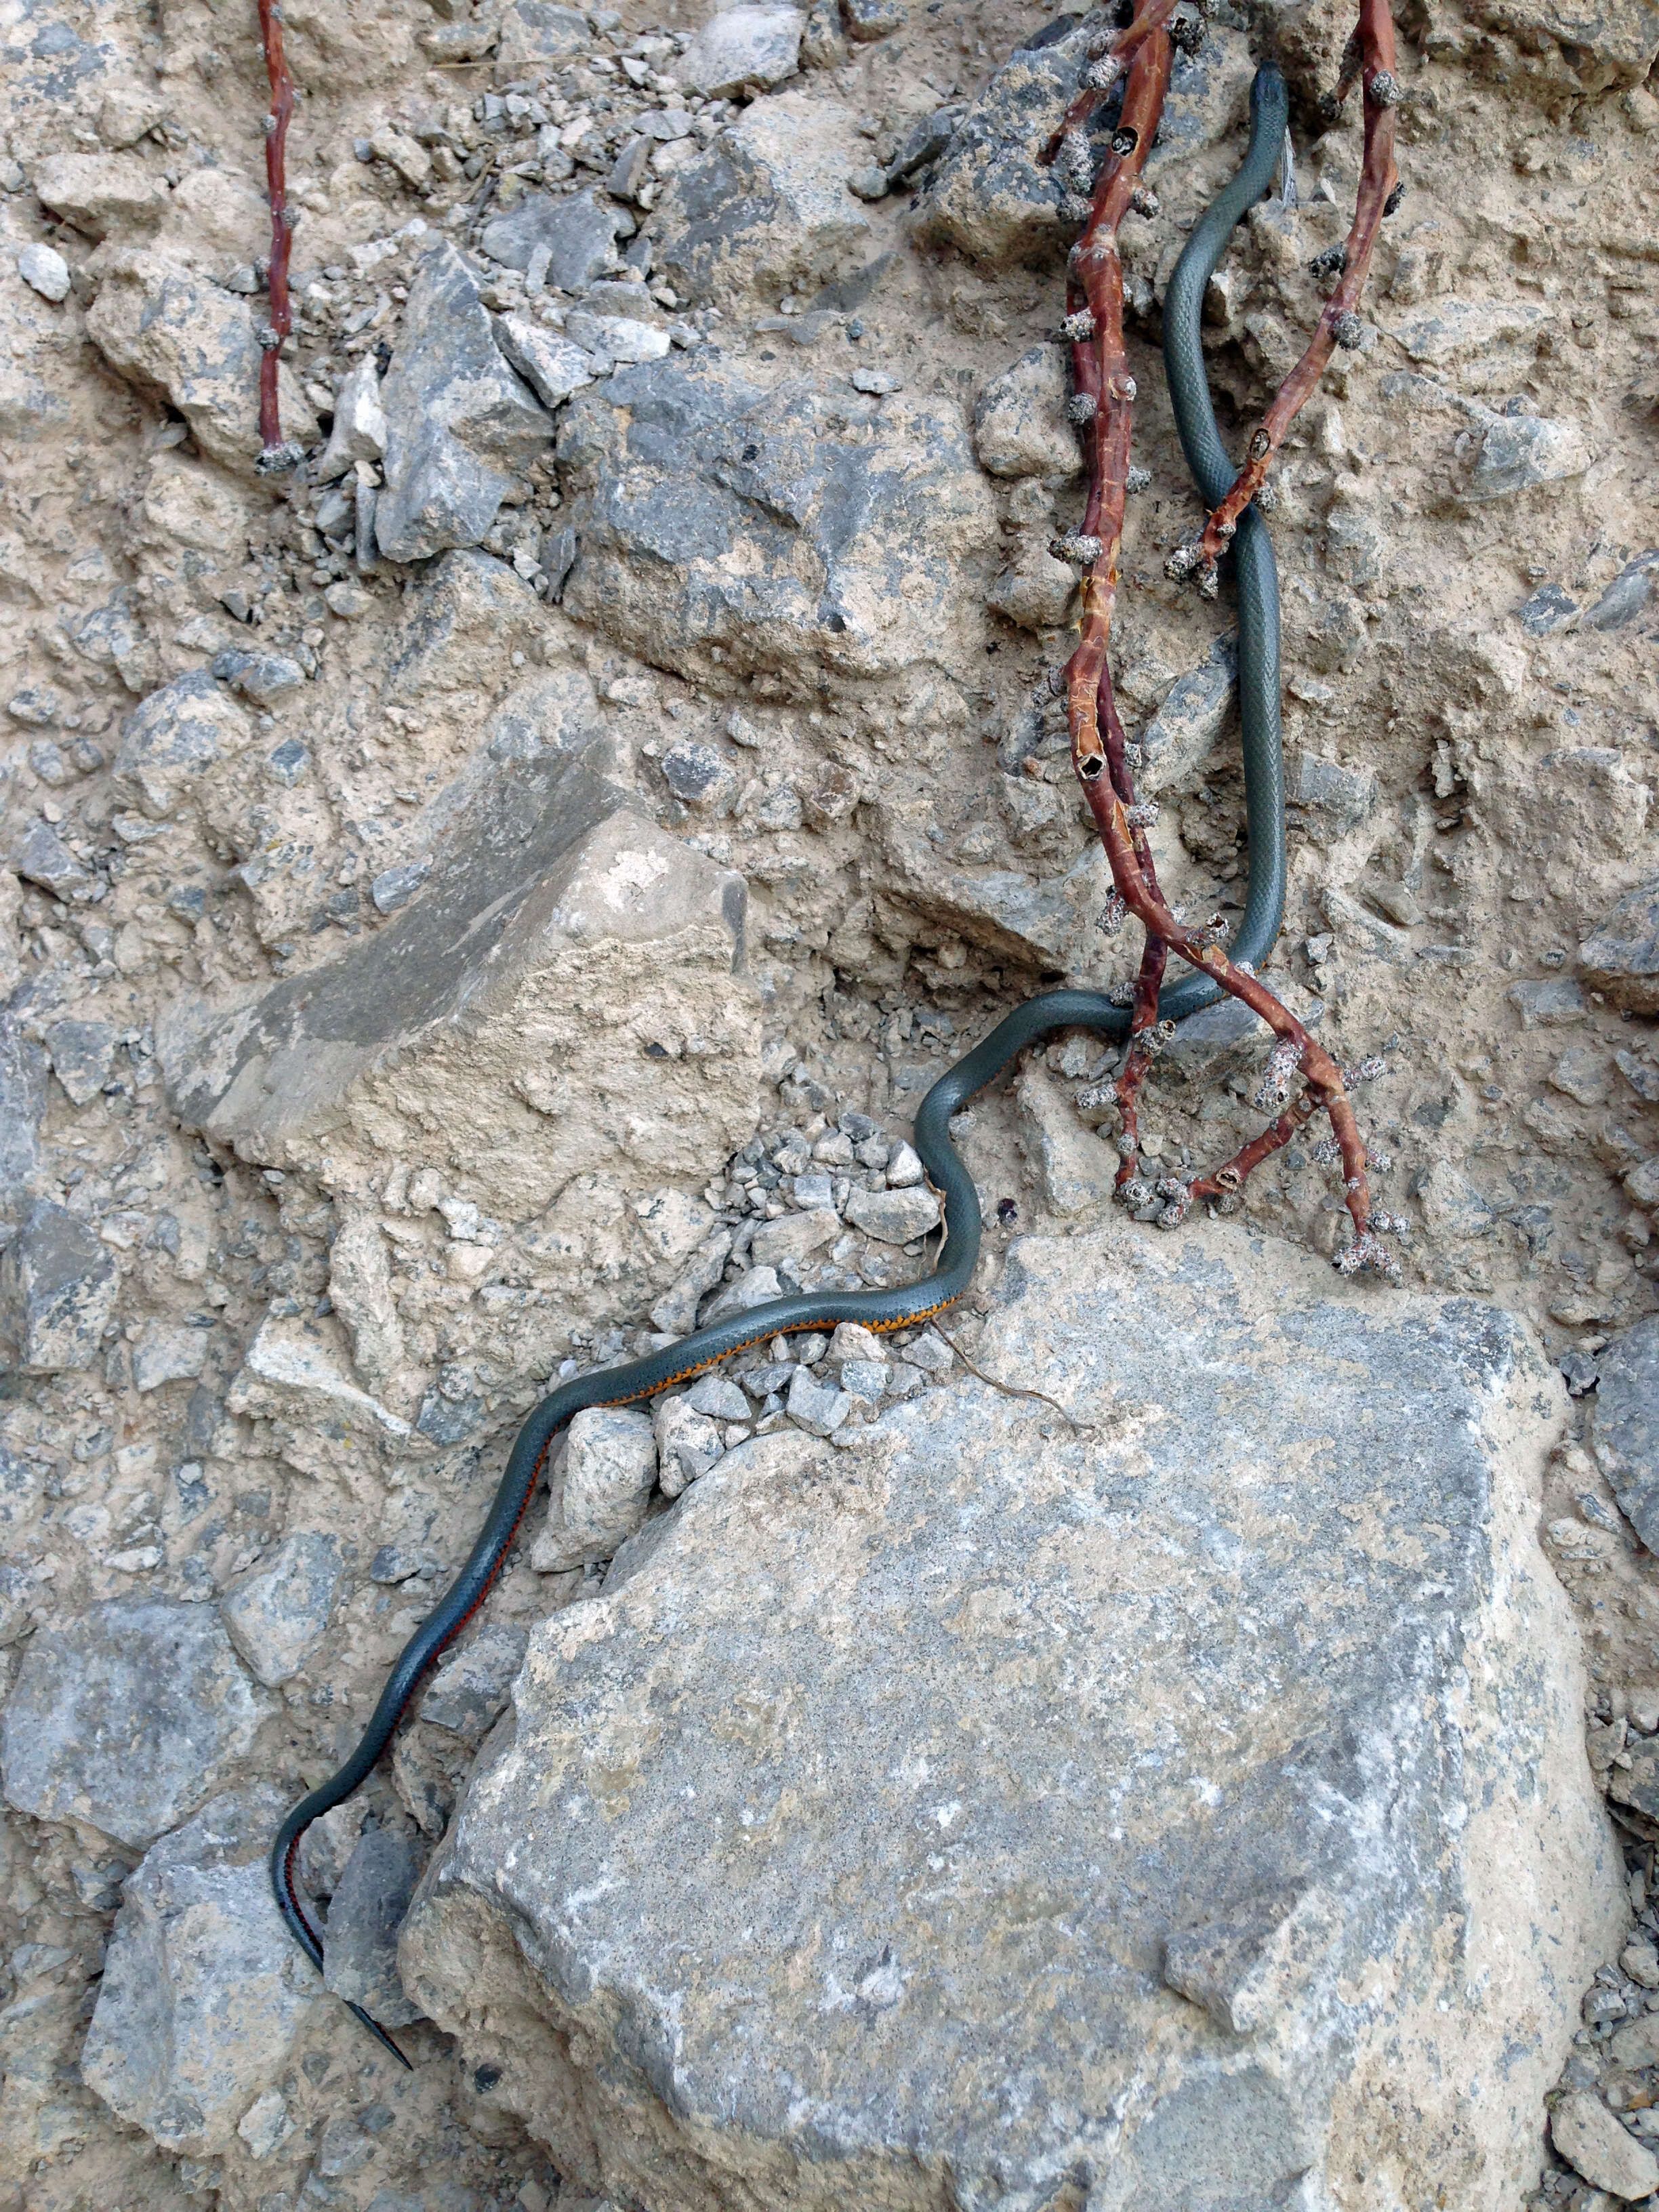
(881, 1309)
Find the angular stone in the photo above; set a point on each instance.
(1596, 2143)
(1020, 424)
(793, 1237)
(359, 430)
(688, 1443)
(460, 423)
(468, 612)
(279, 1614)
(552, 366)
(873, 19)
(719, 1398)
(1077, 1169)
(834, 545)
(292, 1370)
(171, 738)
(198, 2006)
(1582, 46)
(1621, 960)
(1036, 593)
(58, 1289)
(819, 1407)
(24, 1073)
(893, 1216)
(172, 334)
(359, 1945)
(470, 1689)
(990, 196)
(599, 1498)
(163, 1354)
(1193, 715)
(1553, 1002)
(1327, 799)
(1628, 596)
(1623, 1428)
(767, 207)
(522, 1021)
(580, 234)
(127, 1718)
(830, 1749)
(102, 193)
(676, 1312)
(1519, 451)
(758, 1287)
(1548, 610)
(82, 1054)
(747, 45)
(45, 271)
(540, 31)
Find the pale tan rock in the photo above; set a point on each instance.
(102, 193)
(565, 994)
(176, 336)
(956, 1664)
(1076, 1168)
(1596, 2143)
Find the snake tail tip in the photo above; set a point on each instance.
(381, 2037)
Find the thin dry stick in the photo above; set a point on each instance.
(1371, 54)
(275, 452)
(1103, 407)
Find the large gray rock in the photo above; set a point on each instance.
(1179, 1810)
(279, 1614)
(768, 206)
(359, 1948)
(1624, 1425)
(199, 2005)
(793, 529)
(175, 336)
(565, 989)
(459, 422)
(58, 1288)
(1621, 959)
(127, 1718)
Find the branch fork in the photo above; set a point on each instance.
(1101, 756)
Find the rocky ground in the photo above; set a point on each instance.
(475, 904)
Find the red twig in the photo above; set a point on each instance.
(1371, 54)
(1109, 59)
(1102, 405)
(274, 452)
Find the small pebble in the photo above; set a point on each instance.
(45, 270)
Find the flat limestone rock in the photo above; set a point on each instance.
(565, 989)
(1178, 1809)
(790, 530)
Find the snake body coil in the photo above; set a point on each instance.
(884, 1310)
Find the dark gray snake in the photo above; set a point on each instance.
(1259, 695)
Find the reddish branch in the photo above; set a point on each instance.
(1371, 54)
(1107, 65)
(1102, 406)
(274, 452)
